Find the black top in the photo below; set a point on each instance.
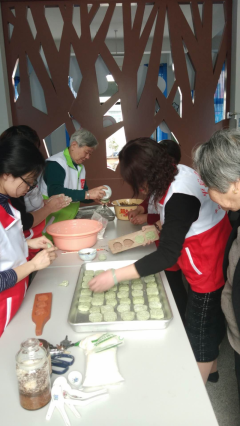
(26, 218)
(54, 177)
(236, 277)
(180, 212)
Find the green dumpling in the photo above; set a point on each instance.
(95, 317)
(128, 316)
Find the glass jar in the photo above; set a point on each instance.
(33, 375)
(45, 344)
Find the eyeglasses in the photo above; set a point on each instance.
(31, 187)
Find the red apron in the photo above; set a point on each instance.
(34, 232)
(10, 302)
(13, 253)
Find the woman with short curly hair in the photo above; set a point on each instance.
(193, 236)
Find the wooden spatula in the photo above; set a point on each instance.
(41, 311)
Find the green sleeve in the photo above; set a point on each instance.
(54, 177)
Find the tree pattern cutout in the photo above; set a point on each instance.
(139, 118)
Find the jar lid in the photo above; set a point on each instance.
(30, 344)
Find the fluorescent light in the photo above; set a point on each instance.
(109, 77)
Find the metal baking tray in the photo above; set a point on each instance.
(80, 323)
(87, 212)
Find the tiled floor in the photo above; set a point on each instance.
(224, 394)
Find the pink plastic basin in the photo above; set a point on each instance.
(74, 235)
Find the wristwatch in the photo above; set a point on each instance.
(88, 195)
(157, 227)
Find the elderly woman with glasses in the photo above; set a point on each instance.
(218, 163)
(66, 174)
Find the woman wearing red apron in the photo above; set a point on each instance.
(194, 234)
(147, 212)
(32, 208)
(20, 165)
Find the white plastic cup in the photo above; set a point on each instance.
(75, 379)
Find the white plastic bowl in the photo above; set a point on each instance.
(87, 254)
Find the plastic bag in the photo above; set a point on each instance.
(101, 352)
(96, 216)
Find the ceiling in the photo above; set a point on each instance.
(55, 21)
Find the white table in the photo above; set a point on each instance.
(114, 229)
(162, 383)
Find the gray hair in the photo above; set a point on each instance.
(84, 138)
(218, 160)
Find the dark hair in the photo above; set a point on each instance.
(19, 156)
(27, 132)
(172, 148)
(144, 161)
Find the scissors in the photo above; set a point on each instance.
(62, 362)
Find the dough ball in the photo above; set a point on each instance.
(88, 272)
(152, 285)
(110, 295)
(86, 299)
(137, 293)
(123, 287)
(111, 302)
(137, 281)
(153, 305)
(95, 317)
(128, 316)
(153, 299)
(106, 308)
(86, 292)
(110, 316)
(85, 284)
(152, 291)
(156, 314)
(143, 315)
(96, 301)
(149, 279)
(125, 301)
(137, 286)
(139, 239)
(84, 308)
(102, 256)
(124, 282)
(122, 294)
(138, 301)
(138, 308)
(94, 310)
(150, 235)
(123, 308)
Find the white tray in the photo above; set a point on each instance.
(80, 323)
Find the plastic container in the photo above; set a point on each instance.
(87, 254)
(108, 193)
(75, 379)
(122, 211)
(32, 367)
(74, 235)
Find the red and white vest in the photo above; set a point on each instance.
(13, 253)
(34, 201)
(74, 179)
(203, 250)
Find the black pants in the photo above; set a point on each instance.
(178, 290)
(237, 371)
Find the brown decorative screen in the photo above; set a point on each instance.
(71, 63)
